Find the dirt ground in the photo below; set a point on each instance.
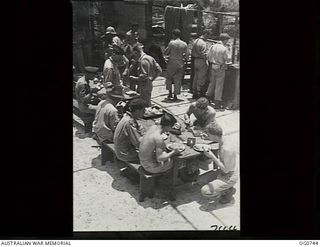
(105, 201)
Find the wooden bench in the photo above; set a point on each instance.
(147, 180)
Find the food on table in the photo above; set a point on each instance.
(176, 145)
(177, 126)
(153, 111)
(130, 92)
(164, 136)
(201, 147)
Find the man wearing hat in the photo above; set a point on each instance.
(110, 38)
(84, 97)
(203, 113)
(111, 66)
(106, 120)
(218, 57)
(148, 70)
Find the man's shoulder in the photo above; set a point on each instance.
(81, 81)
(108, 64)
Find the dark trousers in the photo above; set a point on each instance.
(106, 154)
(87, 119)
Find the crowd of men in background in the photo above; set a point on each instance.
(127, 64)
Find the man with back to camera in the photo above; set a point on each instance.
(218, 57)
(177, 50)
(106, 120)
(152, 150)
(128, 133)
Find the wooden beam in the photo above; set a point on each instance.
(235, 40)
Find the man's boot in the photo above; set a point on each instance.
(175, 98)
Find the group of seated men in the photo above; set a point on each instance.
(135, 144)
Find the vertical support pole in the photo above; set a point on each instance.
(235, 40)
(148, 15)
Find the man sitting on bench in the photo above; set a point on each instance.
(106, 119)
(128, 132)
(152, 151)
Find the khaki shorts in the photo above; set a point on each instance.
(223, 182)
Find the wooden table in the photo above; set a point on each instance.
(187, 154)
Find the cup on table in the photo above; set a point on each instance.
(191, 142)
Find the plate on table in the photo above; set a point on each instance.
(164, 136)
(131, 92)
(180, 146)
(199, 147)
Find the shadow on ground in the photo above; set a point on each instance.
(186, 193)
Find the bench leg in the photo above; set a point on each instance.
(173, 180)
(106, 155)
(146, 187)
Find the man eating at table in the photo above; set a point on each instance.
(106, 119)
(84, 96)
(203, 113)
(152, 150)
(221, 188)
(128, 133)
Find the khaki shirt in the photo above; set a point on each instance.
(111, 72)
(127, 138)
(106, 120)
(205, 118)
(148, 68)
(199, 48)
(83, 94)
(177, 50)
(218, 54)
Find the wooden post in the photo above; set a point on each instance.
(148, 16)
(220, 27)
(234, 40)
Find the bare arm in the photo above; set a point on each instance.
(210, 155)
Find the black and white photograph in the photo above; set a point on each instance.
(156, 133)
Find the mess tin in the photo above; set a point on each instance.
(191, 142)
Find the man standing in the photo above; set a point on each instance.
(108, 39)
(217, 57)
(84, 97)
(177, 51)
(132, 34)
(106, 120)
(110, 69)
(148, 70)
(199, 52)
(128, 133)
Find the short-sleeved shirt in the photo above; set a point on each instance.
(147, 150)
(205, 118)
(111, 72)
(177, 50)
(218, 54)
(199, 49)
(127, 138)
(106, 120)
(149, 67)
